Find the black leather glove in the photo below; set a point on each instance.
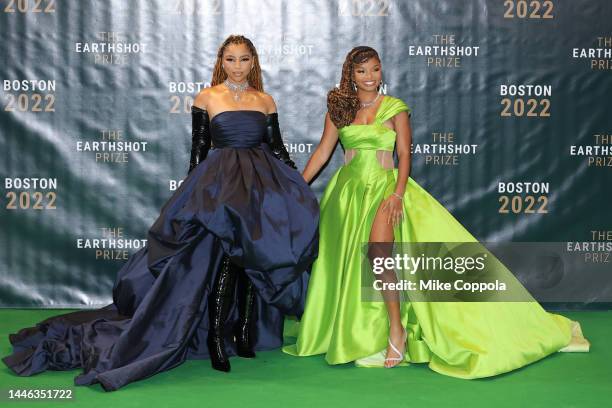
(200, 136)
(275, 141)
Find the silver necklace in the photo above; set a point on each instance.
(236, 88)
(366, 104)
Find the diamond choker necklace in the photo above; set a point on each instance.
(236, 88)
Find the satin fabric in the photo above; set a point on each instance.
(465, 340)
(241, 201)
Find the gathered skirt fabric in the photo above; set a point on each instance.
(459, 339)
(242, 202)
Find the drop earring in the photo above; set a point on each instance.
(354, 87)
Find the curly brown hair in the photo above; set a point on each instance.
(254, 77)
(342, 101)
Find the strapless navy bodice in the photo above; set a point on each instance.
(241, 201)
(238, 128)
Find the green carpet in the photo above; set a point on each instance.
(275, 379)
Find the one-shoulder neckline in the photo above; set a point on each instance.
(375, 115)
(239, 110)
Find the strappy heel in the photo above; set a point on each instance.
(397, 351)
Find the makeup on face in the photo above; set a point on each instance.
(237, 62)
(368, 74)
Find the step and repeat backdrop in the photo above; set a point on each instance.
(511, 118)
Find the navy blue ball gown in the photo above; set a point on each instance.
(241, 201)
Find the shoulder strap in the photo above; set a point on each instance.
(392, 106)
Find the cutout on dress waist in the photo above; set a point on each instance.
(384, 158)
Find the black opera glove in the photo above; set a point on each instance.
(200, 136)
(275, 141)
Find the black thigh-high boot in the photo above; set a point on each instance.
(219, 305)
(244, 329)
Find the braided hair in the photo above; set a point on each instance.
(342, 101)
(254, 76)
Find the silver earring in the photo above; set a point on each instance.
(354, 87)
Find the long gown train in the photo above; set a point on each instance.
(241, 201)
(460, 339)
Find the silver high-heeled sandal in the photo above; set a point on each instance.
(396, 350)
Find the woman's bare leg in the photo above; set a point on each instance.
(382, 232)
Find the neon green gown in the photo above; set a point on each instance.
(459, 339)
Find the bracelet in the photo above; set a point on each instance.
(398, 196)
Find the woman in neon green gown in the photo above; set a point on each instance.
(367, 199)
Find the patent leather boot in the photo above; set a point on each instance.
(219, 305)
(244, 328)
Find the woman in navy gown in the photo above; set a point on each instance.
(226, 259)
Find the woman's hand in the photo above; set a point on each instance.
(395, 209)
(323, 151)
